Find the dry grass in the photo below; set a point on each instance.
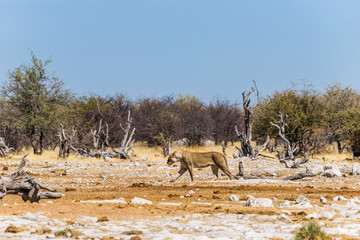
(155, 153)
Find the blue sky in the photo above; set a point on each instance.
(207, 48)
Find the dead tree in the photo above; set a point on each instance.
(100, 137)
(4, 150)
(245, 137)
(65, 141)
(127, 142)
(289, 157)
(20, 183)
(167, 147)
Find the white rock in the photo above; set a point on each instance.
(181, 196)
(326, 215)
(312, 216)
(234, 198)
(107, 158)
(355, 169)
(339, 198)
(284, 218)
(285, 204)
(141, 201)
(323, 200)
(259, 202)
(191, 192)
(144, 158)
(315, 169)
(302, 200)
(334, 171)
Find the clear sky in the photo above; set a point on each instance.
(207, 48)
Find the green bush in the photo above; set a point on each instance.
(311, 231)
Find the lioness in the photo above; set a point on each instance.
(191, 160)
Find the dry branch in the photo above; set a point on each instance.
(4, 150)
(20, 183)
(245, 137)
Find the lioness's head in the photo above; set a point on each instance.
(174, 157)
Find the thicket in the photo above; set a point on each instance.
(34, 103)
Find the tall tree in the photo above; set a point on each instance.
(224, 115)
(305, 116)
(196, 122)
(39, 98)
(339, 103)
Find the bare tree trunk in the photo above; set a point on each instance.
(126, 143)
(245, 137)
(167, 147)
(290, 150)
(65, 142)
(4, 150)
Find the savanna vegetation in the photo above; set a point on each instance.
(36, 110)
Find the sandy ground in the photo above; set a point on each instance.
(93, 190)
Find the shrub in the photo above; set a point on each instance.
(311, 231)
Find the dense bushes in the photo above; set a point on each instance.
(34, 103)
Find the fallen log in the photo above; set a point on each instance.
(21, 183)
(299, 176)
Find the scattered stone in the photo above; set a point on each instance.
(326, 215)
(191, 192)
(5, 168)
(140, 201)
(259, 202)
(234, 198)
(132, 232)
(285, 204)
(312, 216)
(355, 170)
(13, 229)
(284, 218)
(302, 200)
(332, 171)
(323, 200)
(103, 219)
(339, 198)
(315, 169)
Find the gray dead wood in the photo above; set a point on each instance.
(294, 164)
(299, 176)
(223, 147)
(288, 158)
(127, 142)
(65, 141)
(20, 183)
(245, 137)
(242, 175)
(290, 148)
(4, 150)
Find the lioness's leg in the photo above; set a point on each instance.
(215, 170)
(181, 172)
(191, 171)
(226, 171)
